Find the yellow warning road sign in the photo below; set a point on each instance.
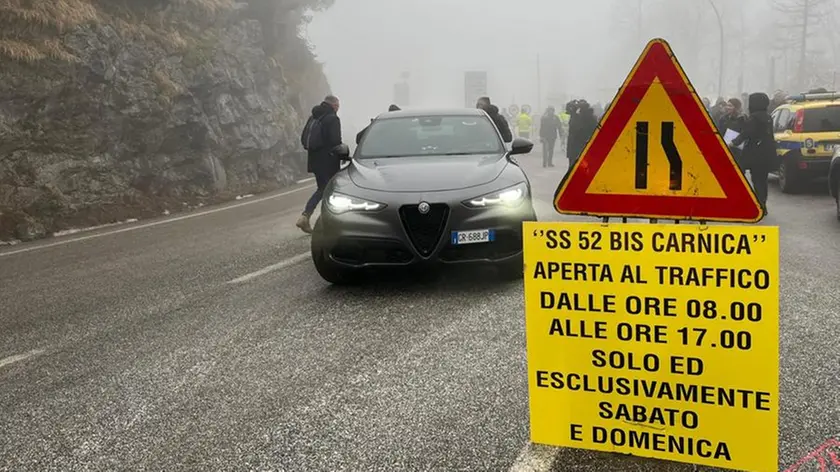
(655, 340)
(656, 107)
(657, 154)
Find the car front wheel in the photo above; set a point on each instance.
(837, 205)
(326, 268)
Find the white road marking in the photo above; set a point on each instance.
(265, 270)
(20, 357)
(306, 180)
(534, 458)
(156, 223)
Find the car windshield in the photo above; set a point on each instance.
(430, 136)
(820, 120)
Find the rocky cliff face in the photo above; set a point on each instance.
(108, 113)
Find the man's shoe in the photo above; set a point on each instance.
(303, 224)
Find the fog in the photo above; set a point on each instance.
(578, 49)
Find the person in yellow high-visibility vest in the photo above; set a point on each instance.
(564, 133)
(524, 125)
(564, 117)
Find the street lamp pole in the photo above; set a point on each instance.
(720, 26)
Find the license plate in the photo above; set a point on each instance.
(473, 237)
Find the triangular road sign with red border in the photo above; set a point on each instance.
(657, 154)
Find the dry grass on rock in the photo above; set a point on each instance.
(30, 29)
(29, 18)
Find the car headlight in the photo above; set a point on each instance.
(340, 203)
(509, 197)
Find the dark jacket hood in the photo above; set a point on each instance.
(493, 110)
(322, 110)
(759, 102)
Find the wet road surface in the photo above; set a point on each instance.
(210, 343)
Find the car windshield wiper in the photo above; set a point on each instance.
(459, 154)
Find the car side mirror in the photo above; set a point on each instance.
(521, 146)
(342, 152)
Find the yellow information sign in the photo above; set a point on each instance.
(655, 340)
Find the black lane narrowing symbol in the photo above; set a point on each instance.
(670, 148)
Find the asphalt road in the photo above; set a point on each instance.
(210, 343)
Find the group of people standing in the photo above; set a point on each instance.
(576, 125)
(754, 148)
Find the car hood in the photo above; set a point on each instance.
(426, 173)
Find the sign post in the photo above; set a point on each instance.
(656, 340)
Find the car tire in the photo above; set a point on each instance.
(789, 178)
(513, 269)
(837, 205)
(327, 269)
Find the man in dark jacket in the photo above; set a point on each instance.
(498, 119)
(361, 133)
(760, 150)
(320, 136)
(581, 127)
(733, 119)
(550, 128)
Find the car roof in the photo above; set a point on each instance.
(812, 100)
(812, 104)
(430, 112)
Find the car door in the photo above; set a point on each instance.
(783, 131)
